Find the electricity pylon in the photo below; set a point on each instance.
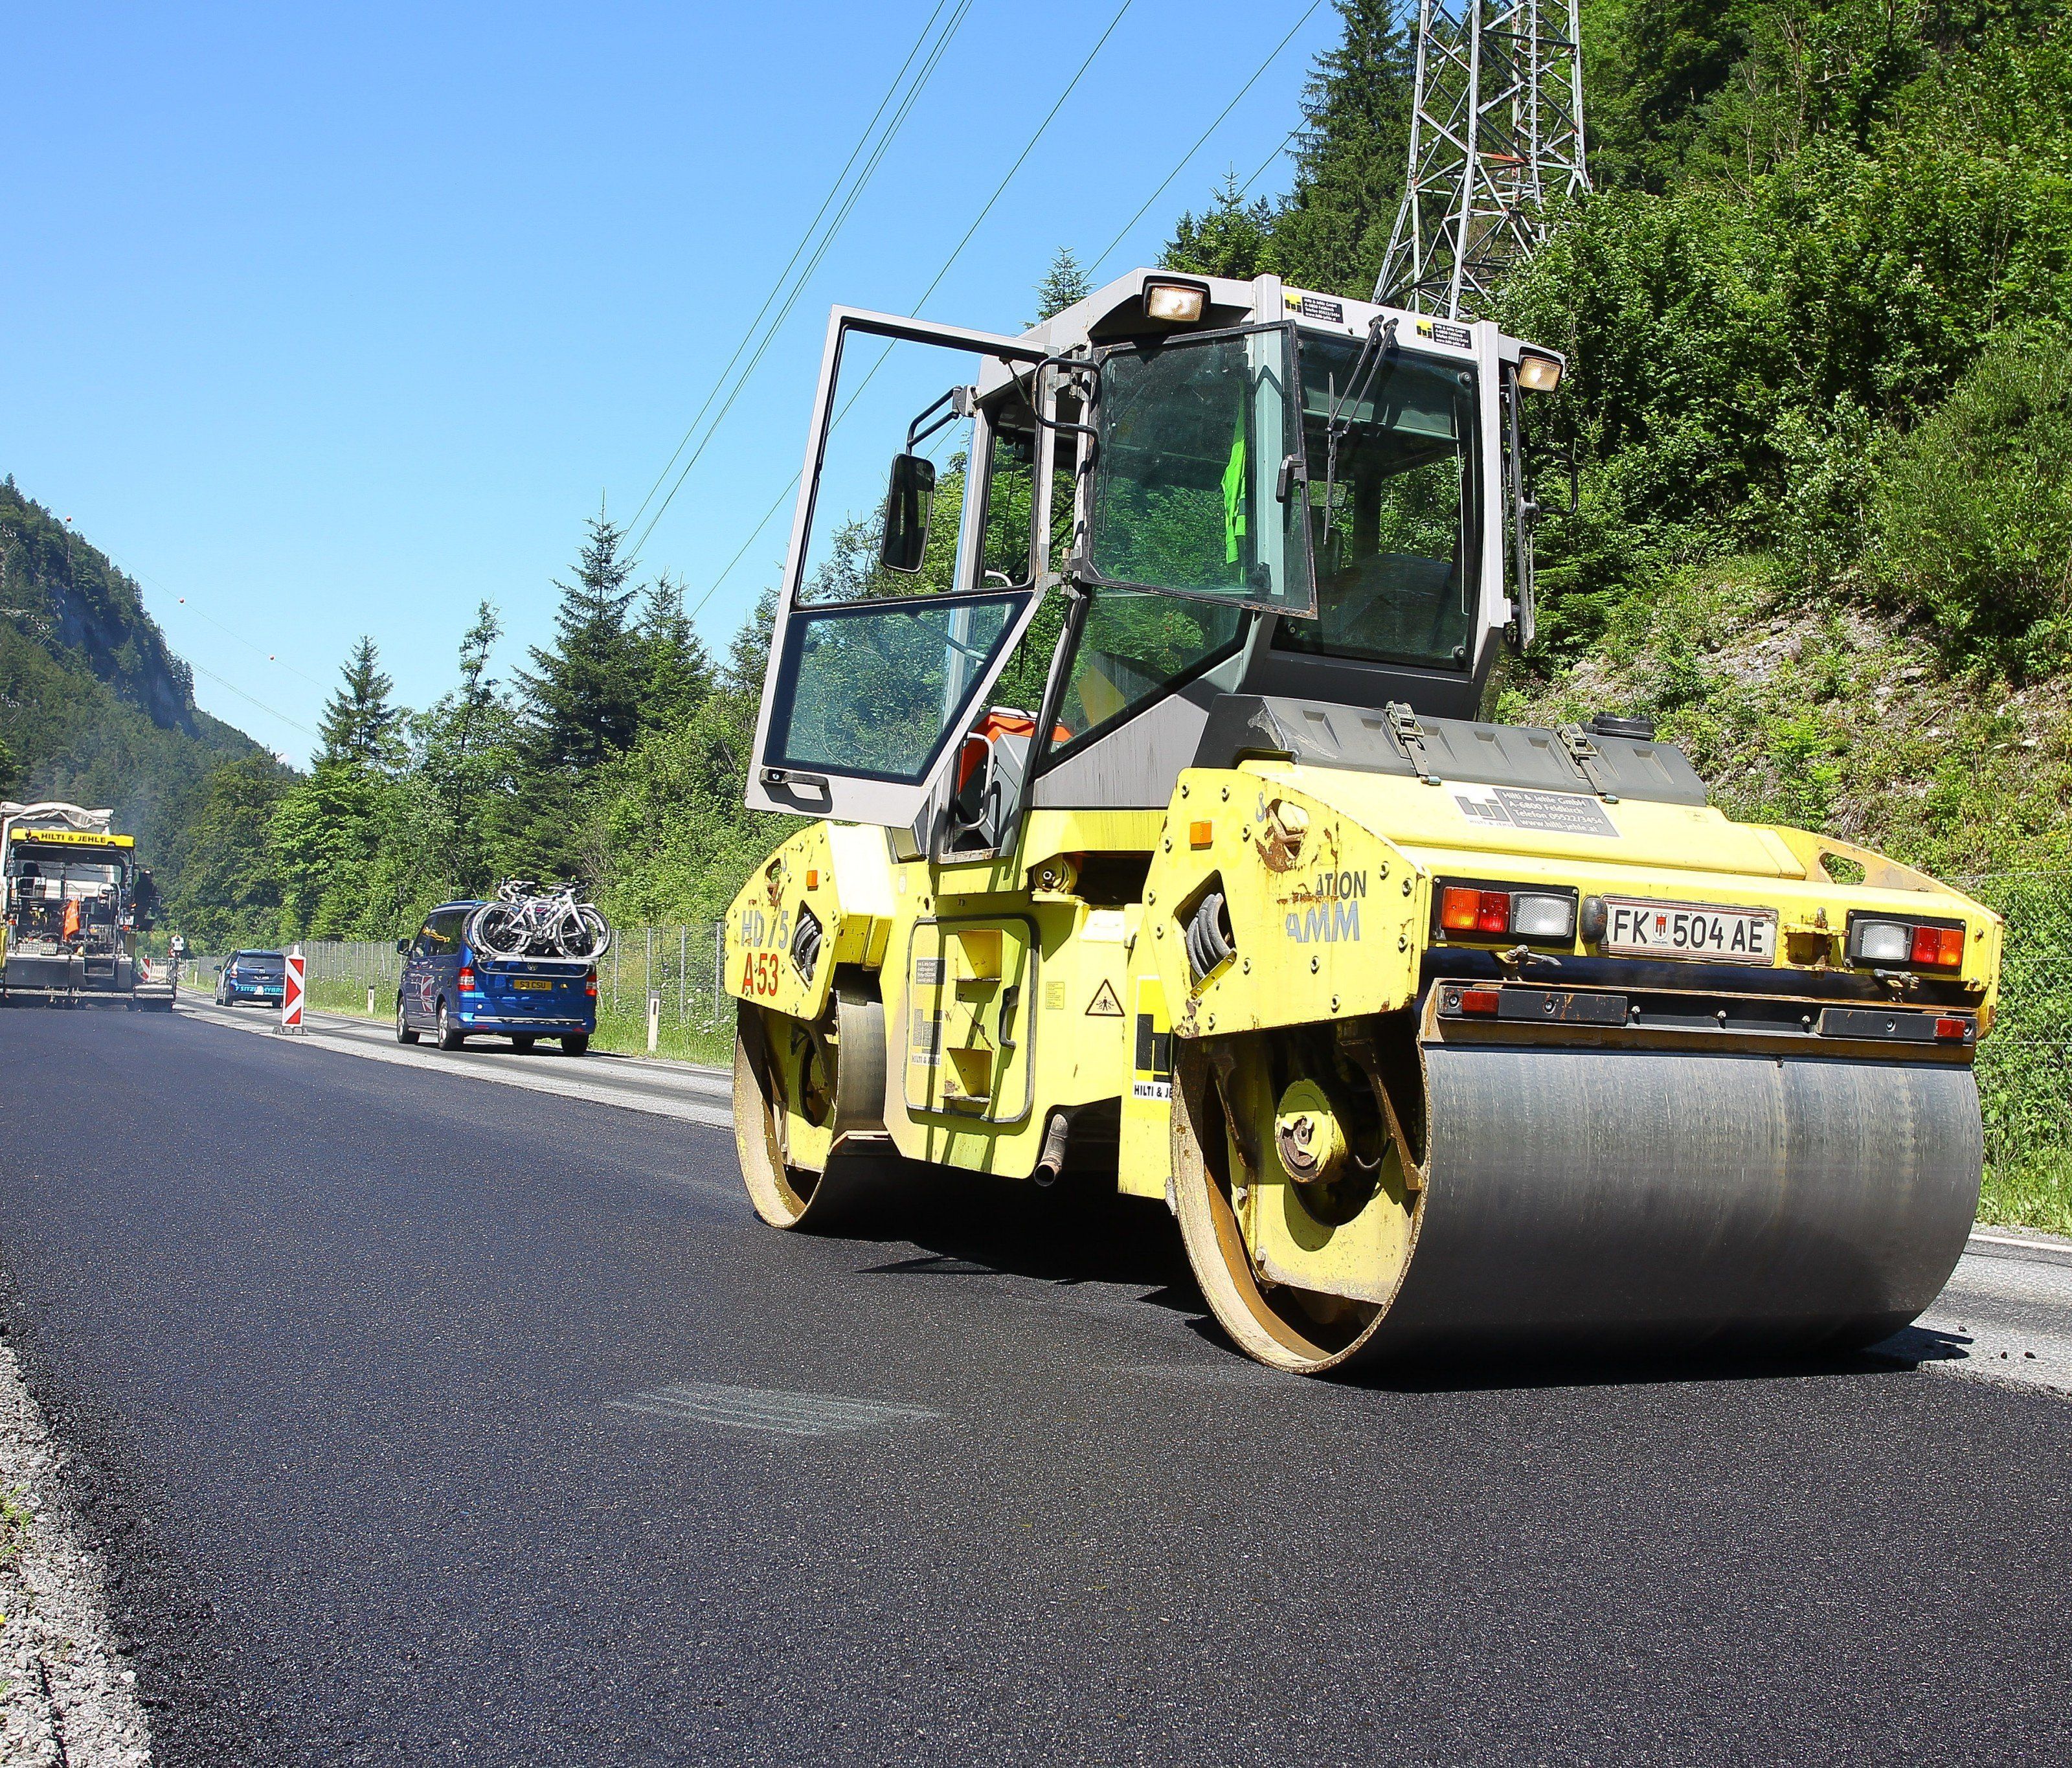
(1496, 132)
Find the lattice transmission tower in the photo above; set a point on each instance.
(1496, 133)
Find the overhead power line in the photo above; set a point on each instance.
(142, 581)
(1245, 189)
(904, 103)
(804, 239)
(230, 687)
(1258, 73)
(956, 252)
(1050, 117)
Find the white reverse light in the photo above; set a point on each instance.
(1543, 917)
(1883, 941)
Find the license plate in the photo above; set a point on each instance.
(1690, 930)
(532, 982)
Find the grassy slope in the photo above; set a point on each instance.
(1840, 719)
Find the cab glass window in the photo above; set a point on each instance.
(1134, 647)
(872, 689)
(896, 398)
(1195, 439)
(1396, 551)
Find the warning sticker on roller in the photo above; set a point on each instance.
(1550, 814)
(1152, 1081)
(1105, 1005)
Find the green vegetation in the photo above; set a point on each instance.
(94, 709)
(1819, 318)
(17, 1521)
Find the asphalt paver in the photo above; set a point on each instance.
(430, 1421)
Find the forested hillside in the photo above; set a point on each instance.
(94, 709)
(1815, 311)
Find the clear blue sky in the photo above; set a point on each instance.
(335, 321)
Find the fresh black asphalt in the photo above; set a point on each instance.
(379, 1376)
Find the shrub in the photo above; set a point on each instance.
(1971, 512)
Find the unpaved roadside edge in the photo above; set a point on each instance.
(67, 1694)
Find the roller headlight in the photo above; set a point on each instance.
(1178, 303)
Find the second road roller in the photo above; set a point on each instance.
(1153, 830)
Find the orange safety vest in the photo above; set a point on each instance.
(71, 919)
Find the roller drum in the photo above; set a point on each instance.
(1679, 1200)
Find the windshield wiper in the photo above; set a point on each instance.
(1378, 347)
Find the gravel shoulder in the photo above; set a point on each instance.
(67, 1694)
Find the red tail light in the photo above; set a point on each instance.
(590, 983)
(1943, 947)
(1475, 911)
(1953, 1028)
(1478, 1000)
(468, 979)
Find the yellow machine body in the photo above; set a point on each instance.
(1009, 995)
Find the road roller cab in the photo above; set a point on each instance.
(1155, 832)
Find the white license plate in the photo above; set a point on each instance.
(1690, 930)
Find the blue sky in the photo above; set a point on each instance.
(335, 321)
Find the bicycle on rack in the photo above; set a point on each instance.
(525, 921)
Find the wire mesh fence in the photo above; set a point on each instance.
(2024, 1066)
(679, 966)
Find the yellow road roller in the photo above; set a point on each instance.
(1151, 831)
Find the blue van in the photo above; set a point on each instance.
(252, 976)
(454, 992)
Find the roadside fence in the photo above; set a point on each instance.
(2025, 1067)
(680, 963)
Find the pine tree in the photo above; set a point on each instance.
(477, 690)
(583, 695)
(467, 755)
(679, 675)
(360, 727)
(1063, 283)
(1351, 156)
(1234, 239)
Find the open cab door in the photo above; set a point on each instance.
(907, 586)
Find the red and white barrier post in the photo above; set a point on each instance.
(291, 991)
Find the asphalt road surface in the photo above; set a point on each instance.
(433, 1421)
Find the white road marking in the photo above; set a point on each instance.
(682, 1092)
(767, 1409)
(2003, 1317)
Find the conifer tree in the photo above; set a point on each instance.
(1234, 239)
(359, 729)
(679, 671)
(1065, 281)
(1350, 155)
(583, 695)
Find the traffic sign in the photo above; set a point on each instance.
(291, 992)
